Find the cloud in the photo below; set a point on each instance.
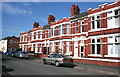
(43, 19)
(14, 10)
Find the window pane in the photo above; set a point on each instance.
(98, 48)
(67, 47)
(117, 48)
(76, 27)
(59, 29)
(117, 39)
(117, 20)
(93, 18)
(93, 49)
(93, 40)
(98, 17)
(98, 40)
(116, 12)
(110, 39)
(93, 25)
(98, 24)
(54, 31)
(67, 28)
(82, 28)
(110, 48)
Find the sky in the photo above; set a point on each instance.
(18, 17)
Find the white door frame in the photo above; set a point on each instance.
(82, 44)
(76, 48)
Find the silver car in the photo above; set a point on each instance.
(59, 59)
(22, 54)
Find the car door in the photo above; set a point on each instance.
(49, 58)
(55, 57)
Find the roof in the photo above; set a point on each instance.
(80, 15)
(8, 37)
(46, 27)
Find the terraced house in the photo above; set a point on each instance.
(91, 37)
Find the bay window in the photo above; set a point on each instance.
(40, 34)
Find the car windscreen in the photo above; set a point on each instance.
(24, 52)
(63, 55)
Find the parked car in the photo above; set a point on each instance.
(59, 59)
(22, 54)
(11, 53)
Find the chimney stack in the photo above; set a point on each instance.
(75, 10)
(36, 25)
(51, 18)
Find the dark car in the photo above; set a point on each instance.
(58, 59)
(11, 53)
(22, 54)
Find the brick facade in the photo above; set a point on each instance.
(83, 35)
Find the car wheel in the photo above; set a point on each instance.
(72, 66)
(56, 63)
(44, 61)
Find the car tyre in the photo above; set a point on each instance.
(72, 66)
(44, 61)
(57, 64)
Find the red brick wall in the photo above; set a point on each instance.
(13, 45)
(116, 64)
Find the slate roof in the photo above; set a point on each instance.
(8, 37)
(80, 15)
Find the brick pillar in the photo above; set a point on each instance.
(39, 35)
(79, 27)
(104, 49)
(38, 47)
(73, 28)
(42, 48)
(64, 28)
(89, 24)
(27, 48)
(73, 48)
(56, 47)
(34, 35)
(34, 47)
(64, 47)
(50, 48)
(79, 48)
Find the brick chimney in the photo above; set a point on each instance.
(75, 10)
(36, 25)
(51, 18)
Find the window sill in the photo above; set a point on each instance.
(95, 55)
(112, 55)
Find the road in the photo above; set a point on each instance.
(18, 66)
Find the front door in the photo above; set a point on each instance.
(81, 51)
(75, 48)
